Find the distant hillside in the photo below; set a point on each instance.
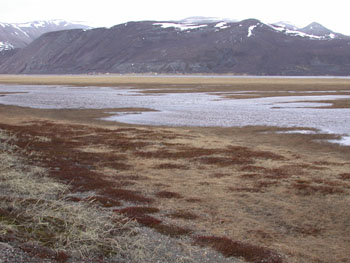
(19, 35)
(194, 45)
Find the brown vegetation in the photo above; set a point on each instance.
(101, 160)
(246, 192)
(230, 248)
(35, 212)
(345, 176)
(183, 215)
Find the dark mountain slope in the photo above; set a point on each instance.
(246, 47)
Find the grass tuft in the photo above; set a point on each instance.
(125, 195)
(219, 175)
(34, 210)
(140, 214)
(230, 248)
(250, 176)
(345, 176)
(103, 201)
(245, 189)
(305, 188)
(193, 200)
(168, 194)
(183, 215)
(171, 166)
(172, 230)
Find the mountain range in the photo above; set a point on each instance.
(19, 35)
(192, 45)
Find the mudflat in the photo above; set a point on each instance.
(247, 192)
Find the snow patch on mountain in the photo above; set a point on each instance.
(18, 35)
(296, 32)
(5, 46)
(32, 24)
(41, 24)
(182, 27)
(250, 30)
(222, 25)
(287, 25)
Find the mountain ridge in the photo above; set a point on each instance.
(186, 47)
(19, 35)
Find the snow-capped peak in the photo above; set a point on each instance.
(292, 32)
(312, 31)
(316, 29)
(42, 23)
(3, 24)
(18, 35)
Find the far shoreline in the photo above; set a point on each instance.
(159, 79)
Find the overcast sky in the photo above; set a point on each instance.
(332, 14)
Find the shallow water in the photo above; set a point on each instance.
(189, 109)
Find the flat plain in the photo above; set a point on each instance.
(250, 192)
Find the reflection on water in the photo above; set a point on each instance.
(345, 140)
(189, 109)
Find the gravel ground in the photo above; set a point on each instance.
(163, 250)
(13, 254)
(173, 250)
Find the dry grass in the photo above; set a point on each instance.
(259, 197)
(229, 248)
(248, 190)
(33, 209)
(172, 82)
(141, 215)
(71, 221)
(168, 194)
(171, 166)
(226, 87)
(345, 176)
(180, 214)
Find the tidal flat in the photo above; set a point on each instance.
(259, 190)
